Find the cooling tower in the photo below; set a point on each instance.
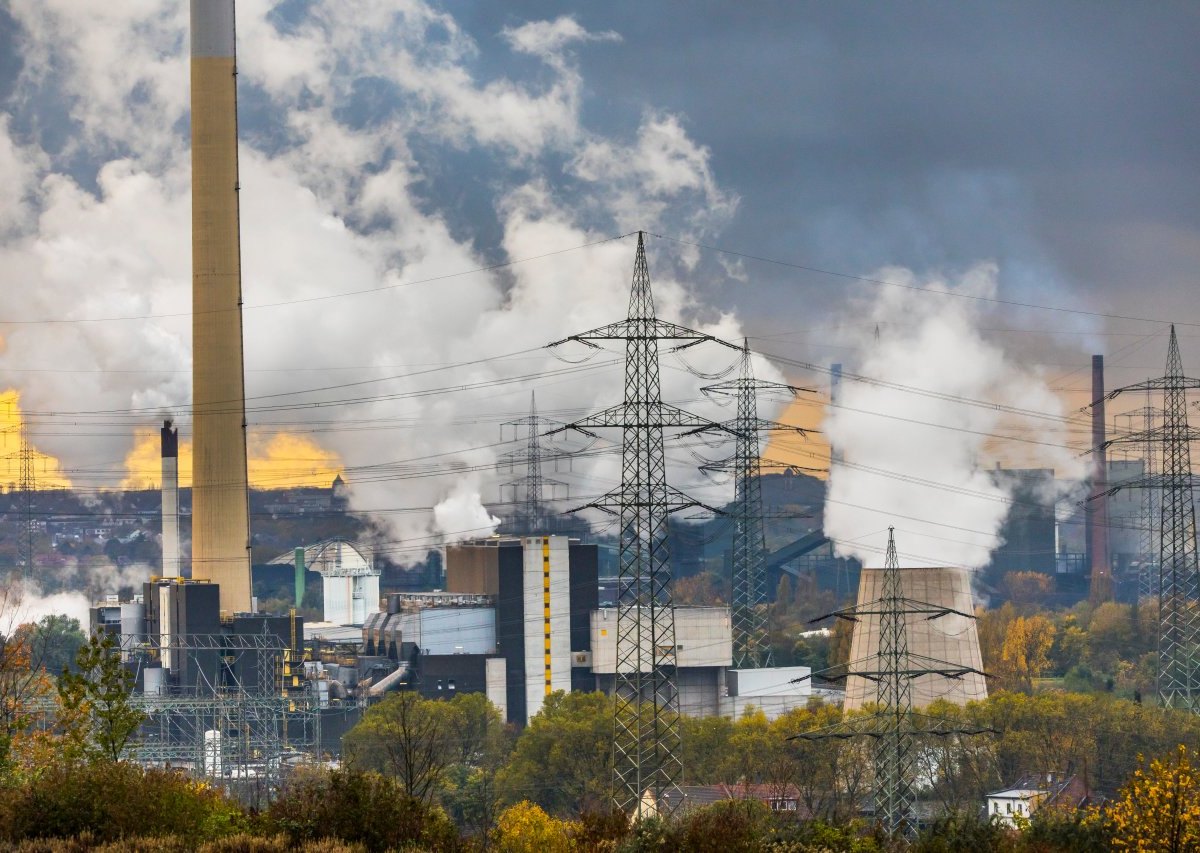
(220, 517)
(170, 501)
(952, 639)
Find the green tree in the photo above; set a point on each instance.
(366, 808)
(98, 696)
(409, 738)
(562, 761)
(471, 794)
(54, 641)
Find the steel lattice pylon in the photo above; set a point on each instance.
(646, 732)
(751, 646)
(1178, 613)
(528, 491)
(895, 751)
(894, 727)
(1148, 518)
(27, 483)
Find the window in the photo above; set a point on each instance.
(1008, 808)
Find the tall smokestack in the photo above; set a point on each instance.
(1096, 518)
(170, 501)
(220, 515)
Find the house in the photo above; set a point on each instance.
(1038, 791)
(780, 798)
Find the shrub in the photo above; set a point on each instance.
(731, 826)
(359, 807)
(115, 802)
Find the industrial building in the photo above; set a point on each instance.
(951, 640)
(349, 579)
(520, 619)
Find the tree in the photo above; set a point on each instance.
(1026, 651)
(1159, 809)
(1027, 589)
(471, 794)
(525, 828)
(20, 679)
(98, 696)
(562, 761)
(407, 737)
(54, 641)
(366, 808)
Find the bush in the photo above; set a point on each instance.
(964, 831)
(353, 806)
(817, 836)
(107, 802)
(731, 826)
(525, 828)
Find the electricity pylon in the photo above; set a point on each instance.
(646, 731)
(893, 726)
(26, 484)
(528, 491)
(1178, 572)
(1148, 517)
(751, 645)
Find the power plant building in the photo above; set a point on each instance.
(952, 639)
(349, 579)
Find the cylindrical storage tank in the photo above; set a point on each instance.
(212, 753)
(152, 683)
(133, 626)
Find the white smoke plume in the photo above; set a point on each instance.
(24, 603)
(920, 461)
(351, 112)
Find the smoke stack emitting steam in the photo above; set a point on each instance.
(220, 513)
(170, 501)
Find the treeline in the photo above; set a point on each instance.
(424, 774)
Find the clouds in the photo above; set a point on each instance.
(355, 118)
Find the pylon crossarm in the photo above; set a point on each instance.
(1159, 383)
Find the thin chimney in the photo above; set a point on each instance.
(1096, 518)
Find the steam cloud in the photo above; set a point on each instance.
(933, 482)
(354, 114)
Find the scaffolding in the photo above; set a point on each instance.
(242, 731)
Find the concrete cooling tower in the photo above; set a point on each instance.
(951, 639)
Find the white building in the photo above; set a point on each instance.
(349, 580)
(1008, 805)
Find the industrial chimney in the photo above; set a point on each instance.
(220, 514)
(170, 501)
(1096, 517)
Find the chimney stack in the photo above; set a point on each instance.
(1096, 517)
(220, 513)
(170, 501)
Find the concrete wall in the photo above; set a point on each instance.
(703, 638)
(547, 624)
(773, 690)
(451, 630)
(952, 638)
